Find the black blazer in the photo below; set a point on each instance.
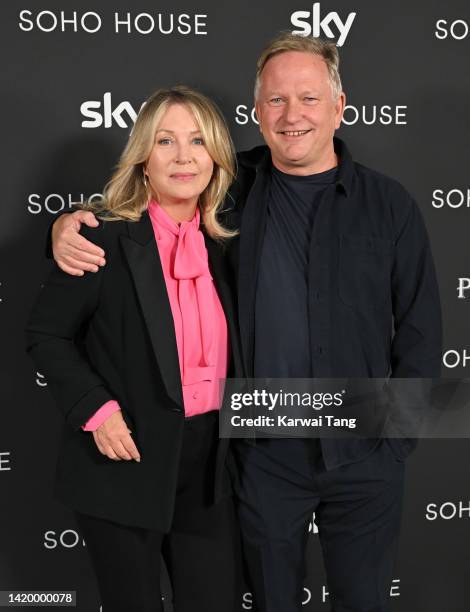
(110, 335)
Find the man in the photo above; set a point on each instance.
(331, 255)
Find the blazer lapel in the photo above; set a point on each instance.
(226, 292)
(141, 251)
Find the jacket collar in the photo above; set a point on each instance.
(259, 159)
(141, 231)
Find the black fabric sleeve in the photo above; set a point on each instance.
(58, 320)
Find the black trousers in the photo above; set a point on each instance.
(201, 551)
(357, 510)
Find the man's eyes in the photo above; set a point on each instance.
(279, 100)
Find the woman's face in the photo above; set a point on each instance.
(179, 167)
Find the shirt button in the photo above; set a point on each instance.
(195, 395)
(320, 349)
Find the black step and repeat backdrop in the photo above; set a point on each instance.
(74, 75)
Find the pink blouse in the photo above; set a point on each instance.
(199, 320)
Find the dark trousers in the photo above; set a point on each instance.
(201, 551)
(357, 510)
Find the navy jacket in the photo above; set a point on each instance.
(373, 300)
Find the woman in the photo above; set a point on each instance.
(134, 355)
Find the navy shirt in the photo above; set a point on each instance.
(282, 345)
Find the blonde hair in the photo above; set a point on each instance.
(125, 196)
(286, 41)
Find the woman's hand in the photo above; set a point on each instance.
(73, 253)
(113, 439)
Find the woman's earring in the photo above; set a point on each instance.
(145, 182)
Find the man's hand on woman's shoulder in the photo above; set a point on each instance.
(72, 252)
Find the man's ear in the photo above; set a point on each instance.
(339, 109)
(257, 115)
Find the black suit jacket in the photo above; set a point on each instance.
(373, 299)
(110, 335)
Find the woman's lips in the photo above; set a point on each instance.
(183, 176)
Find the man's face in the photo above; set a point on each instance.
(297, 113)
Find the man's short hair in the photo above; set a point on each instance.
(286, 41)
